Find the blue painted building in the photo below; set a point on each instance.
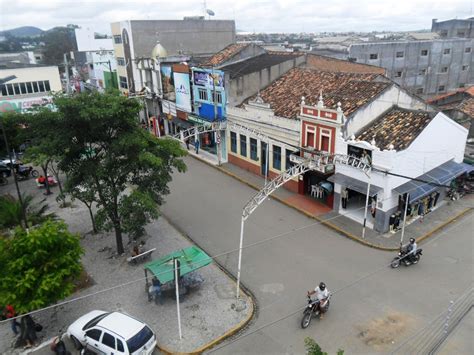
(209, 97)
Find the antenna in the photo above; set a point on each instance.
(210, 13)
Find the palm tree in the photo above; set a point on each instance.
(11, 211)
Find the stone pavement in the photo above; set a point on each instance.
(446, 212)
(208, 314)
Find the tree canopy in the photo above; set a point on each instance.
(38, 266)
(108, 156)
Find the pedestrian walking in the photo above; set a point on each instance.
(9, 313)
(155, 290)
(187, 143)
(344, 195)
(28, 331)
(196, 145)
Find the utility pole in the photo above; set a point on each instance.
(2, 127)
(366, 203)
(404, 218)
(23, 212)
(66, 68)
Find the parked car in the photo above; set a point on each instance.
(112, 333)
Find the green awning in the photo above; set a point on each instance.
(191, 259)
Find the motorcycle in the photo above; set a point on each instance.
(24, 172)
(312, 309)
(404, 257)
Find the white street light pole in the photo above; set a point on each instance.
(240, 255)
(177, 296)
(366, 203)
(404, 218)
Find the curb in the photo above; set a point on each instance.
(230, 332)
(329, 224)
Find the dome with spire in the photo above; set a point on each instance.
(159, 51)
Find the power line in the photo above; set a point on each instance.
(302, 308)
(211, 257)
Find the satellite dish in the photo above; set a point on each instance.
(210, 12)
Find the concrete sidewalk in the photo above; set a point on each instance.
(445, 213)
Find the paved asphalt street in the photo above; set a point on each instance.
(206, 205)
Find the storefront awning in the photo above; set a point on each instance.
(440, 175)
(354, 184)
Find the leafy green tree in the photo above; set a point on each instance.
(87, 197)
(313, 348)
(57, 41)
(124, 168)
(39, 266)
(11, 212)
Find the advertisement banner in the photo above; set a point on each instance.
(183, 91)
(27, 104)
(167, 82)
(204, 77)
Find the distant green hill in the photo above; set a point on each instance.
(24, 31)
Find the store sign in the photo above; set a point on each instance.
(183, 91)
(27, 104)
(208, 78)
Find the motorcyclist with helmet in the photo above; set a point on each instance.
(411, 250)
(321, 293)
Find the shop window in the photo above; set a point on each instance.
(288, 163)
(10, 90)
(400, 54)
(41, 86)
(243, 145)
(35, 86)
(121, 61)
(23, 88)
(424, 52)
(4, 90)
(117, 39)
(202, 94)
(16, 87)
(123, 82)
(217, 95)
(233, 142)
(276, 157)
(29, 88)
(373, 56)
(253, 149)
(47, 86)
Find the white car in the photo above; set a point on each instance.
(112, 334)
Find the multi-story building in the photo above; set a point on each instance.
(463, 28)
(425, 68)
(31, 86)
(193, 36)
(95, 60)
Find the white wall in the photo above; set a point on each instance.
(441, 141)
(87, 42)
(39, 73)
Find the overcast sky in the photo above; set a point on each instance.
(249, 15)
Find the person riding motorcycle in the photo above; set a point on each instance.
(411, 249)
(321, 293)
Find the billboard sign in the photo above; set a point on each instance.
(208, 78)
(25, 105)
(167, 82)
(183, 91)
